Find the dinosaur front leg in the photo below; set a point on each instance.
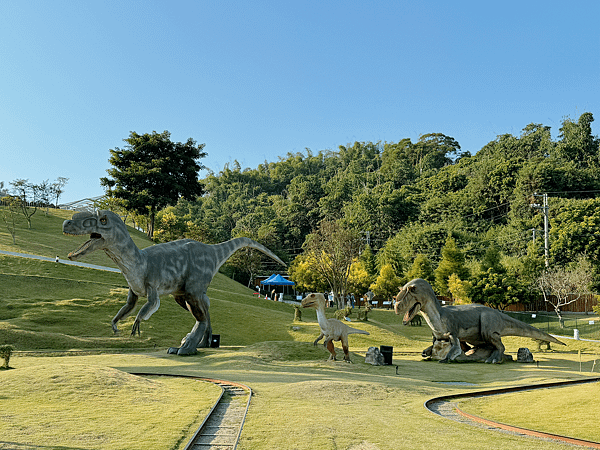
(455, 350)
(318, 339)
(147, 310)
(125, 310)
(429, 350)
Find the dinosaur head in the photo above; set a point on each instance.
(407, 302)
(104, 228)
(313, 301)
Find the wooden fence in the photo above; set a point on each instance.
(583, 304)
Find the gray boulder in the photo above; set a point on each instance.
(374, 357)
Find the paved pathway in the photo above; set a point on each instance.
(62, 261)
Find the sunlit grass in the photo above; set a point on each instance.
(568, 411)
(68, 405)
(301, 400)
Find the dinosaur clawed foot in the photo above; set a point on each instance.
(136, 327)
(181, 351)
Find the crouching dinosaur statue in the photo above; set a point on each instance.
(183, 268)
(462, 326)
(331, 329)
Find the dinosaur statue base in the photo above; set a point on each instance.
(441, 348)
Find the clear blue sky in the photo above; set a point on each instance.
(254, 80)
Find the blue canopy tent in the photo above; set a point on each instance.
(277, 280)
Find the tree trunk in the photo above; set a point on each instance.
(151, 224)
(561, 320)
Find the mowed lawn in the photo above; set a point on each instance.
(53, 398)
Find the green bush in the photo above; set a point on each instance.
(5, 352)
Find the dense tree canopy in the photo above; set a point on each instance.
(153, 172)
(405, 198)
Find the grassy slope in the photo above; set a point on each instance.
(301, 401)
(46, 239)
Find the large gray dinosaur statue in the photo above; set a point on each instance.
(474, 324)
(183, 268)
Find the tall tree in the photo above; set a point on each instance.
(302, 272)
(562, 286)
(387, 283)
(9, 214)
(152, 172)
(421, 268)
(56, 188)
(453, 261)
(330, 251)
(577, 142)
(29, 196)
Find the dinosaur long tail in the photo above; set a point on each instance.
(355, 331)
(228, 248)
(525, 330)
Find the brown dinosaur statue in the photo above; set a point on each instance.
(183, 268)
(462, 325)
(331, 329)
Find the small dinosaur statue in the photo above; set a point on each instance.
(331, 329)
(474, 324)
(183, 268)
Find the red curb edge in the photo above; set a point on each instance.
(528, 432)
(525, 431)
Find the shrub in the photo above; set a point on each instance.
(5, 352)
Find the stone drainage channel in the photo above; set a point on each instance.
(222, 427)
(447, 406)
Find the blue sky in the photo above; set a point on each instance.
(254, 80)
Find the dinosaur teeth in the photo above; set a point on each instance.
(411, 312)
(85, 248)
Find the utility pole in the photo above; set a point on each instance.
(544, 207)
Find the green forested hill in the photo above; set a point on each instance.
(406, 198)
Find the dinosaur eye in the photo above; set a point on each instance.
(103, 220)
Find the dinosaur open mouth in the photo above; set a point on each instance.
(95, 241)
(412, 312)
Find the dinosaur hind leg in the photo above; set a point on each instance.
(331, 348)
(201, 333)
(125, 310)
(497, 356)
(345, 348)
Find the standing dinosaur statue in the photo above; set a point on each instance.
(183, 268)
(331, 329)
(474, 324)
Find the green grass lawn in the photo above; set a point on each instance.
(301, 401)
(77, 405)
(565, 411)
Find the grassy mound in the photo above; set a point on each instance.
(93, 407)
